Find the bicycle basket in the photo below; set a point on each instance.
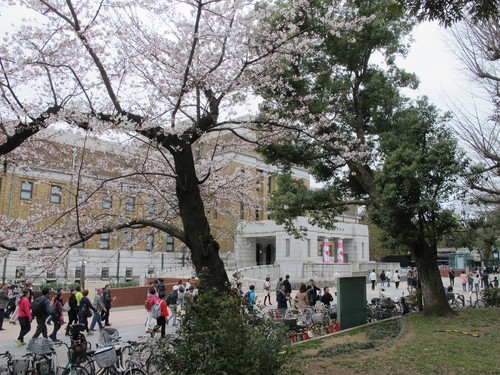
(41, 345)
(105, 357)
(20, 366)
(108, 336)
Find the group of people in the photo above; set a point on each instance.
(385, 278)
(475, 279)
(306, 296)
(164, 307)
(20, 306)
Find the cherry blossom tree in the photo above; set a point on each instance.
(169, 74)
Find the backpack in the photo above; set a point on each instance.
(148, 304)
(38, 307)
(156, 310)
(246, 298)
(181, 289)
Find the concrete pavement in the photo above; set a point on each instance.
(130, 320)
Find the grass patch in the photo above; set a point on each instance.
(424, 347)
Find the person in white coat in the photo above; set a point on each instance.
(373, 278)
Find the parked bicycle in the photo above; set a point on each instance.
(13, 366)
(73, 365)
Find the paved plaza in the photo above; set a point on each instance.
(130, 321)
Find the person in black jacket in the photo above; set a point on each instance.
(73, 310)
(282, 299)
(108, 302)
(288, 288)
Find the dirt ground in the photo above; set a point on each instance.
(329, 366)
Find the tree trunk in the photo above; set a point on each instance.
(435, 302)
(203, 246)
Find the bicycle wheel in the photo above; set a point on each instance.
(110, 371)
(134, 371)
(75, 370)
(127, 355)
(479, 304)
(151, 368)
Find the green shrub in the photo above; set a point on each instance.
(217, 339)
(491, 296)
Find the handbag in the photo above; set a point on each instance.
(66, 306)
(89, 313)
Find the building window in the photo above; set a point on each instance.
(151, 206)
(362, 250)
(257, 214)
(26, 190)
(269, 184)
(82, 195)
(215, 213)
(151, 271)
(170, 243)
(127, 241)
(242, 211)
(55, 194)
(308, 248)
(51, 276)
(104, 241)
(150, 242)
(105, 273)
(130, 207)
(20, 273)
(287, 244)
(107, 201)
(78, 273)
(129, 274)
(320, 250)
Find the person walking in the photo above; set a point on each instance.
(24, 316)
(388, 276)
(251, 298)
(4, 301)
(382, 278)
(477, 282)
(451, 276)
(172, 302)
(73, 310)
(108, 302)
(85, 312)
(397, 279)
(151, 299)
(98, 309)
(288, 288)
(57, 316)
(42, 313)
(463, 280)
(161, 321)
(373, 279)
(267, 290)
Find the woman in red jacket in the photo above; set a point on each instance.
(24, 316)
(161, 321)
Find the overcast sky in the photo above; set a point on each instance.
(442, 76)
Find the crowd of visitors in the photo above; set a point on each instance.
(18, 305)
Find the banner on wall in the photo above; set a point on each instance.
(326, 252)
(340, 251)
